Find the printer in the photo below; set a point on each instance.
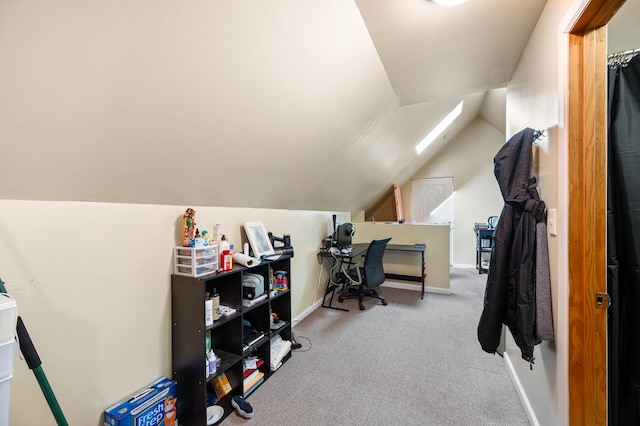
(252, 285)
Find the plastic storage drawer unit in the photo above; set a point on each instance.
(196, 262)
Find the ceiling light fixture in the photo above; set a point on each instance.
(440, 128)
(449, 2)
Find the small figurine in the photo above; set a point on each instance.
(188, 226)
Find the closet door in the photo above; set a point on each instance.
(431, 200)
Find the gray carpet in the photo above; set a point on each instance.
(412, 362)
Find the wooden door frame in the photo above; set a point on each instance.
(584, 136)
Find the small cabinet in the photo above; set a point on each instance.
(229, 335)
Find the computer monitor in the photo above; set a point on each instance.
(344, 232)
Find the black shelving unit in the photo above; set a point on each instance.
(188, 341)
(484, 246)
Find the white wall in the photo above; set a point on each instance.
(92, 283)
(468, 158)
(533, 101)
(118, 101)
(436, 239)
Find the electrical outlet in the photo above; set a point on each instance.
(551, 222)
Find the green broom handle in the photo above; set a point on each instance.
(33, 361)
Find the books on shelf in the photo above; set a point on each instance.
(252, 380)
(246, 373)
(249, 380)
(251, 339)
(252, 388)
(250, 302)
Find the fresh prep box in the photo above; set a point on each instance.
(153, 405)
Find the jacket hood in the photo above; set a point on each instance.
(512, 166)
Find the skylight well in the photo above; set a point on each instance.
(441, 127)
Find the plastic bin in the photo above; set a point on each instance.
(5, 393)
(8, 317)
(6, 358)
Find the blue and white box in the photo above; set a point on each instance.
(153, 405)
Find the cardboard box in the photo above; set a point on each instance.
(221, 385)
(153, 405)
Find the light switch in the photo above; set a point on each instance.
(551, 222)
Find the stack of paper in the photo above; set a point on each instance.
(279, 349)
(252, 381)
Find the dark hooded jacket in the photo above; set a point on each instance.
(510, 293)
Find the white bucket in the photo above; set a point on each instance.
(5, 393)
(6, 358)
(8, 317)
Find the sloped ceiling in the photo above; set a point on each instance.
(433, 52)
(307, 105)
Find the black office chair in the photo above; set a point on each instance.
(363, 280)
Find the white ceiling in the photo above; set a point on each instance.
(433, 52)
(308, 105)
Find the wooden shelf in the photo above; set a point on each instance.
(189, 334)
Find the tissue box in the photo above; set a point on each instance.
(199, 242)
(153, 405)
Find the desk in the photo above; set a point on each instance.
(361, 249)
(416, 248)
(338, 260)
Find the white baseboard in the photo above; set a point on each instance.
(523, 396)
(414, 287)
(306, 313)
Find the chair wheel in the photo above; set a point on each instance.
(340, 299)
(384, 303)
(361, 307)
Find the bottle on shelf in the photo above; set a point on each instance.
(226, 259)
(209, 311)
(212, 362)
(215, 300)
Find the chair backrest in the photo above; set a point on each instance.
(373, 269)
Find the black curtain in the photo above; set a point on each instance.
(623, 243)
